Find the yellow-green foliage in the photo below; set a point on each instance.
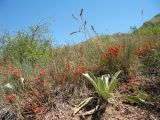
(150, 30)
(26, 47)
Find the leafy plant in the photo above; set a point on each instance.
(104, 86)
(134, 99)
(27, 46)
(140, 98)
(156, 97)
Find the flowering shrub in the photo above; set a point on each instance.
(144, 50)
(149, 57)
(10, 98)
(112, 52)
(31, 93)
(65, 72)
(51, 73)
(17, 73)
(11, 72)
(111, 59)
(34, 105)
(79, 70)
(43, 73)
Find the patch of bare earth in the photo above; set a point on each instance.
(128, 112)
(62, 112)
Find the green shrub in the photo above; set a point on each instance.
(31, 47)
(140, 98)
(150, 30)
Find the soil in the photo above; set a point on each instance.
(117, 109)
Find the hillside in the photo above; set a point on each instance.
(105, 78)
(148, 28)
(155, 21)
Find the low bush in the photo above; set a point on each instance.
(149, 57)
(26, 47)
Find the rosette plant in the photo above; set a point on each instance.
(104, 87)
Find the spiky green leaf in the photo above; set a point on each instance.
(106, 80)
(141, 94)
(114, 81)
(101, 85)
(105, 95)
(116, 75)
(134, 99)
(92, 79)
(113, 85)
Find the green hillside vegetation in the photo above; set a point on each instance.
(41, 81)
(153, 22)
(151, 27)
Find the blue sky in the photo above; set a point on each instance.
(107, 16)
